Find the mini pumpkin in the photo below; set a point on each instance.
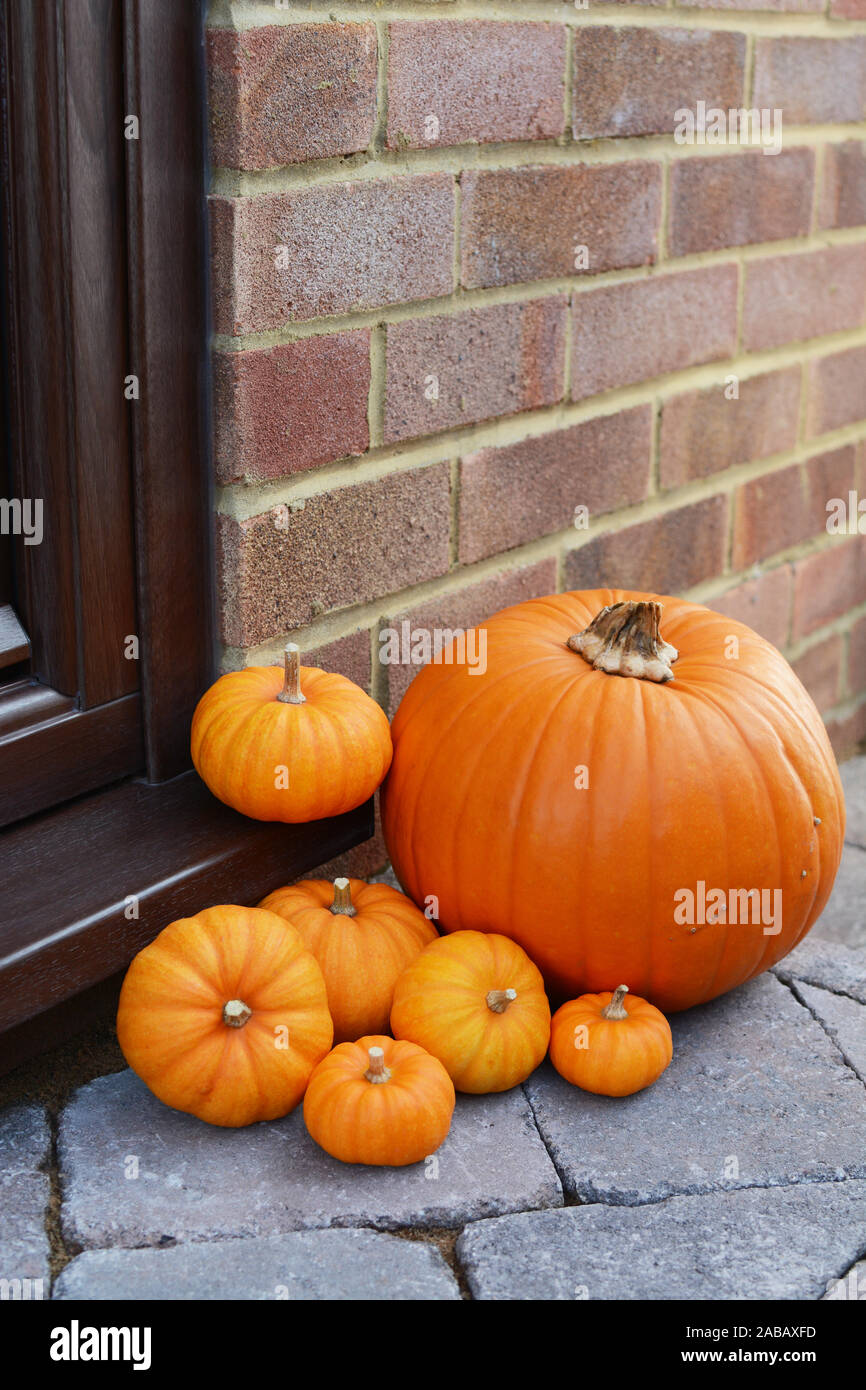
(293, 744)
(379, 1101)
(225, 1015)
(363, 935)
(612, 1044)
(476, 1001)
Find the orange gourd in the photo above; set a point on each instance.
(225, 1015)
(588, 790)
(292, 745)
(363, 935)
(379, 1101)
(610, 1044)
(477, 1002)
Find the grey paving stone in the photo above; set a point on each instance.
(326, 1265)
(827, 964)
(197, 1182)
(843, 1018)
(854, 782)
(787, 1242)
(24, 1194)
(844, 918)
(756, 1094)
(849, 1286)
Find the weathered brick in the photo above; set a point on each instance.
(278, 410)
(843, 189)
(284, 93)
(463, 609)
(632, 81)
(642, 329)
(669, 554)
(820, 670)
(453, 82)
(704, 432)
(347, 656)
(283, 568)
(811, 79)
(742, 198)
(837, 390)
(474, 365)
(848, 9)
(510, 495)
(525, 224)
(777, 511)
(857, 658)
(762, 603)
(329, 249)
(828, 583)
(788, 298)
(847, 732)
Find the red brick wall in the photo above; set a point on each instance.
(417, 378)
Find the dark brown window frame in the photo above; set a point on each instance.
(86, 884)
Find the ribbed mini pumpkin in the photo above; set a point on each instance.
(379, 1101)
(225, 1015)
(363, 935)
(476, 1001)
(612, 1044)
(290, 744)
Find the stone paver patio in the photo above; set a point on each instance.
(741, 1174)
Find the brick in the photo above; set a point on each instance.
(848, 9)
(632, 81)
(282, 409)
(837, 390)
(811, 80)
(348, 656)
(778, 511)
(346, 246)
(642, 329)
(453, 82)
(478, 364)
(669, 554)
(820, 670)
(828, 583)
(857, 659)
(524, 224)
(511, 495)
(762, 603)
(848, 732)
(739, 199)
(793, 6)
(463, 609)
(703, 432)
(284, 93)
(843, 189)
(789, 298)
(283, 568)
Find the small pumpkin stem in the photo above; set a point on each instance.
(342, 905)
(236, 1013)
(377, 1072)
(291, 691)
(615, 1008)
(624, 640)
(499, 999)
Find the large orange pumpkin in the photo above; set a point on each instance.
(293, 744)
(363, 935)
(225, 1015)
(590, 790)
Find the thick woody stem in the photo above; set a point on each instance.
(342, 905)
(615, 1008)
(624, 640)
(377, 1072)
(236, 1013)
(291, 691)
(499, 999)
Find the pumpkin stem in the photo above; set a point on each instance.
(615, 1008)
(377, 1072)
(342, 905)
(236, 1013)
(624, 640)
(499, 999)
(291, 691)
